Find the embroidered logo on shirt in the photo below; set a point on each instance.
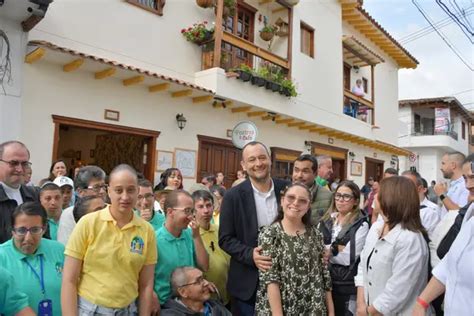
(59, 267)
(137, 245)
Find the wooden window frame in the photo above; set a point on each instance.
(310, 30)
(159, 4)
(365, 84)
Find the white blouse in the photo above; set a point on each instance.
(397, 271)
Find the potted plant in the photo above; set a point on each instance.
(288, 88)
(229, 8)
(198, 33)
(245, 72)
(205, 3)
(267, 32)
(258, 78)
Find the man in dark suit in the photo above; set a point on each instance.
(245, 208)
(14, 159)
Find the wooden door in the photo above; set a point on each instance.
(374, 169)
(218, 155)
(347, 76)
(339, 169)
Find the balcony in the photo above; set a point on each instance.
(359, 63)
(430, 131)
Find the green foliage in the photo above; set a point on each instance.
(198, 32)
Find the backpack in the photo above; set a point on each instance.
(452, 233)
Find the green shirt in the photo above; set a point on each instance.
(172, 253)
(12, 300)
(53, 229)
(156, 221)
(52, 253)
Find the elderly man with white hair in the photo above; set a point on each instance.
(191, 295)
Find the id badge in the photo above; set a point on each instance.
(45, 308)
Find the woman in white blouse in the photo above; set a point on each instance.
(344, 228)
(394, 263)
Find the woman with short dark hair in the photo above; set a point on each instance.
(36, 262)
(394, 263)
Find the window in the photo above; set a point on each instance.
(417, 123)
(155, 6)
(463, 132)
(307, 40)
(365, 84)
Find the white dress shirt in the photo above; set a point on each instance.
(397, 272)
(266, 205)
(429, 216)
(439, 233)
(344, 256)
(12, 193)
(456, 272)
(457, 193)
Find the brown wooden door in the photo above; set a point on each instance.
(241, 25)
(339, 169)
(218, 155)
(374, 169)
(347, 76)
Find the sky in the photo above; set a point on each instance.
(440, 72)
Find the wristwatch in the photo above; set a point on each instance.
(442, 197)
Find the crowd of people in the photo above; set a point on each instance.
(115, 244)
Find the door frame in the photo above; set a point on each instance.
(333, 152)
(149, 171)
(377, 161)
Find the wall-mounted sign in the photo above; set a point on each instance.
(111, 115)
(244, 132)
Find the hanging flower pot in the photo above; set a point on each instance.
(292, 2)
(267, 33)
(205, 3)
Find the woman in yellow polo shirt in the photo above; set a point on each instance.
(111, 256)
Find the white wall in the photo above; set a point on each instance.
(122, 32)
(10, 92)
(141, 109)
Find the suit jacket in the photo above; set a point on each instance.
(7, 206)
(238, 236)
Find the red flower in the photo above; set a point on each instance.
(205, 22)
(183, 30)
(189, 29)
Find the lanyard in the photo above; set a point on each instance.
(39, 276)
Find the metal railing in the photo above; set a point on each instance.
(427, 131)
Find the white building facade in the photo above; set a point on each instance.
(428, 135)
(101, 72)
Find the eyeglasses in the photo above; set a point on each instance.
(292, 199)
(22, 231)
(186, 211)
(146, 196)
(16, 163)
(97, 188)
(199, 281)
(344, 197)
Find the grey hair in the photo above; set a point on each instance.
(86, 174)
(179, 278)
(322, 158)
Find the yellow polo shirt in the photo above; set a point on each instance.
(219, 260)
(112, 257)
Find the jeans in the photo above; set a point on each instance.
(86, 308)
(244, 308)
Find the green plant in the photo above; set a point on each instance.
(289, 85)
(269, 29)
(263, 72)
(198, 32)
(230, 5)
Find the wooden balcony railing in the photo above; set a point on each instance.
(358, 107)
(236, 51)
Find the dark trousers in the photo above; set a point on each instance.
(243, 308)
(341, 304)
(437, 305)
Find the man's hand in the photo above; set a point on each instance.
(155, 305)
(440, 188)
(146, 214)
(195, 228)
(263, 263)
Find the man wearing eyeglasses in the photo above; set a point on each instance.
(89, 181)
(14, 159)
(177, 244)
(191, 295)
(145, 205)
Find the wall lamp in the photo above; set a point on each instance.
(181, 120)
